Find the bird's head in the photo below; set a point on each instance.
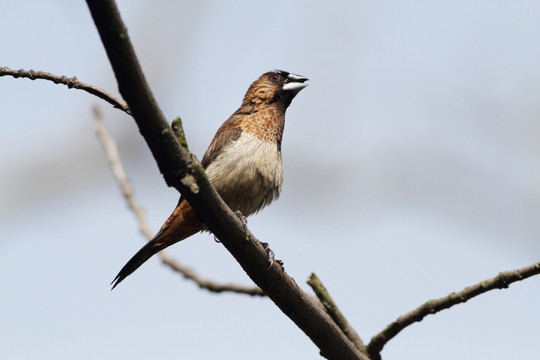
(274, 87)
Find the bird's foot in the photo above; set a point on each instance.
(242, 218)
(270, 253)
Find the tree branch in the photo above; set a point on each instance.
(209, 285)
(72, 82)
(334, 312)
(121, 178)
(183, 171)
(501, 281)
(178, 130)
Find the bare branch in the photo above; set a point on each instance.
(207, 284)
(111, 150)
(72, 82)
(179, 132)
(181, 169)
(113, 157)
(334, 312)
(501, 281)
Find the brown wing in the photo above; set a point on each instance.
(229, 131)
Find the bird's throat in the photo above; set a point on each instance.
(265, 125)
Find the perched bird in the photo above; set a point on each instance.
(243, 162)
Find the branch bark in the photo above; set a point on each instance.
(71, 82)
(334, 312)
(183, 171)
(501, 281)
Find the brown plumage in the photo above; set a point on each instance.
(243, 162)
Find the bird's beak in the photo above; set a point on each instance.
(295, 83)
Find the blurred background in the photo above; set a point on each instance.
(411, 171)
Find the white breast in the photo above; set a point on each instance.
(248, 173)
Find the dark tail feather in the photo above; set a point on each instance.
(145, 253)
(181, 224)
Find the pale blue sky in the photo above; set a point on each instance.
(411, 171)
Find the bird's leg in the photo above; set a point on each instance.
(271, 257)
(266, 247)
(242, 218)
(269, 252)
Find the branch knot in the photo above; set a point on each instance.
(190, 181)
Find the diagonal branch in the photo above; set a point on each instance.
(71, 82)
(183, 171)
(119, 173)
(333, 310)
(501, 281)
(209, 285)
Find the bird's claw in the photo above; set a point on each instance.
(269, 252)
(271, 257)
(242, 218)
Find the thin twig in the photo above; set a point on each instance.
(209, 285)
(71, 82)
(178, 130)
(113, 157)
(334, 312)
(501, 281)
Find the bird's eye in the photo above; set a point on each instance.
(275, 77)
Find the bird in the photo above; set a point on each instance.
(243, 162)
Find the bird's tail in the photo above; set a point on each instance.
(181, 224)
